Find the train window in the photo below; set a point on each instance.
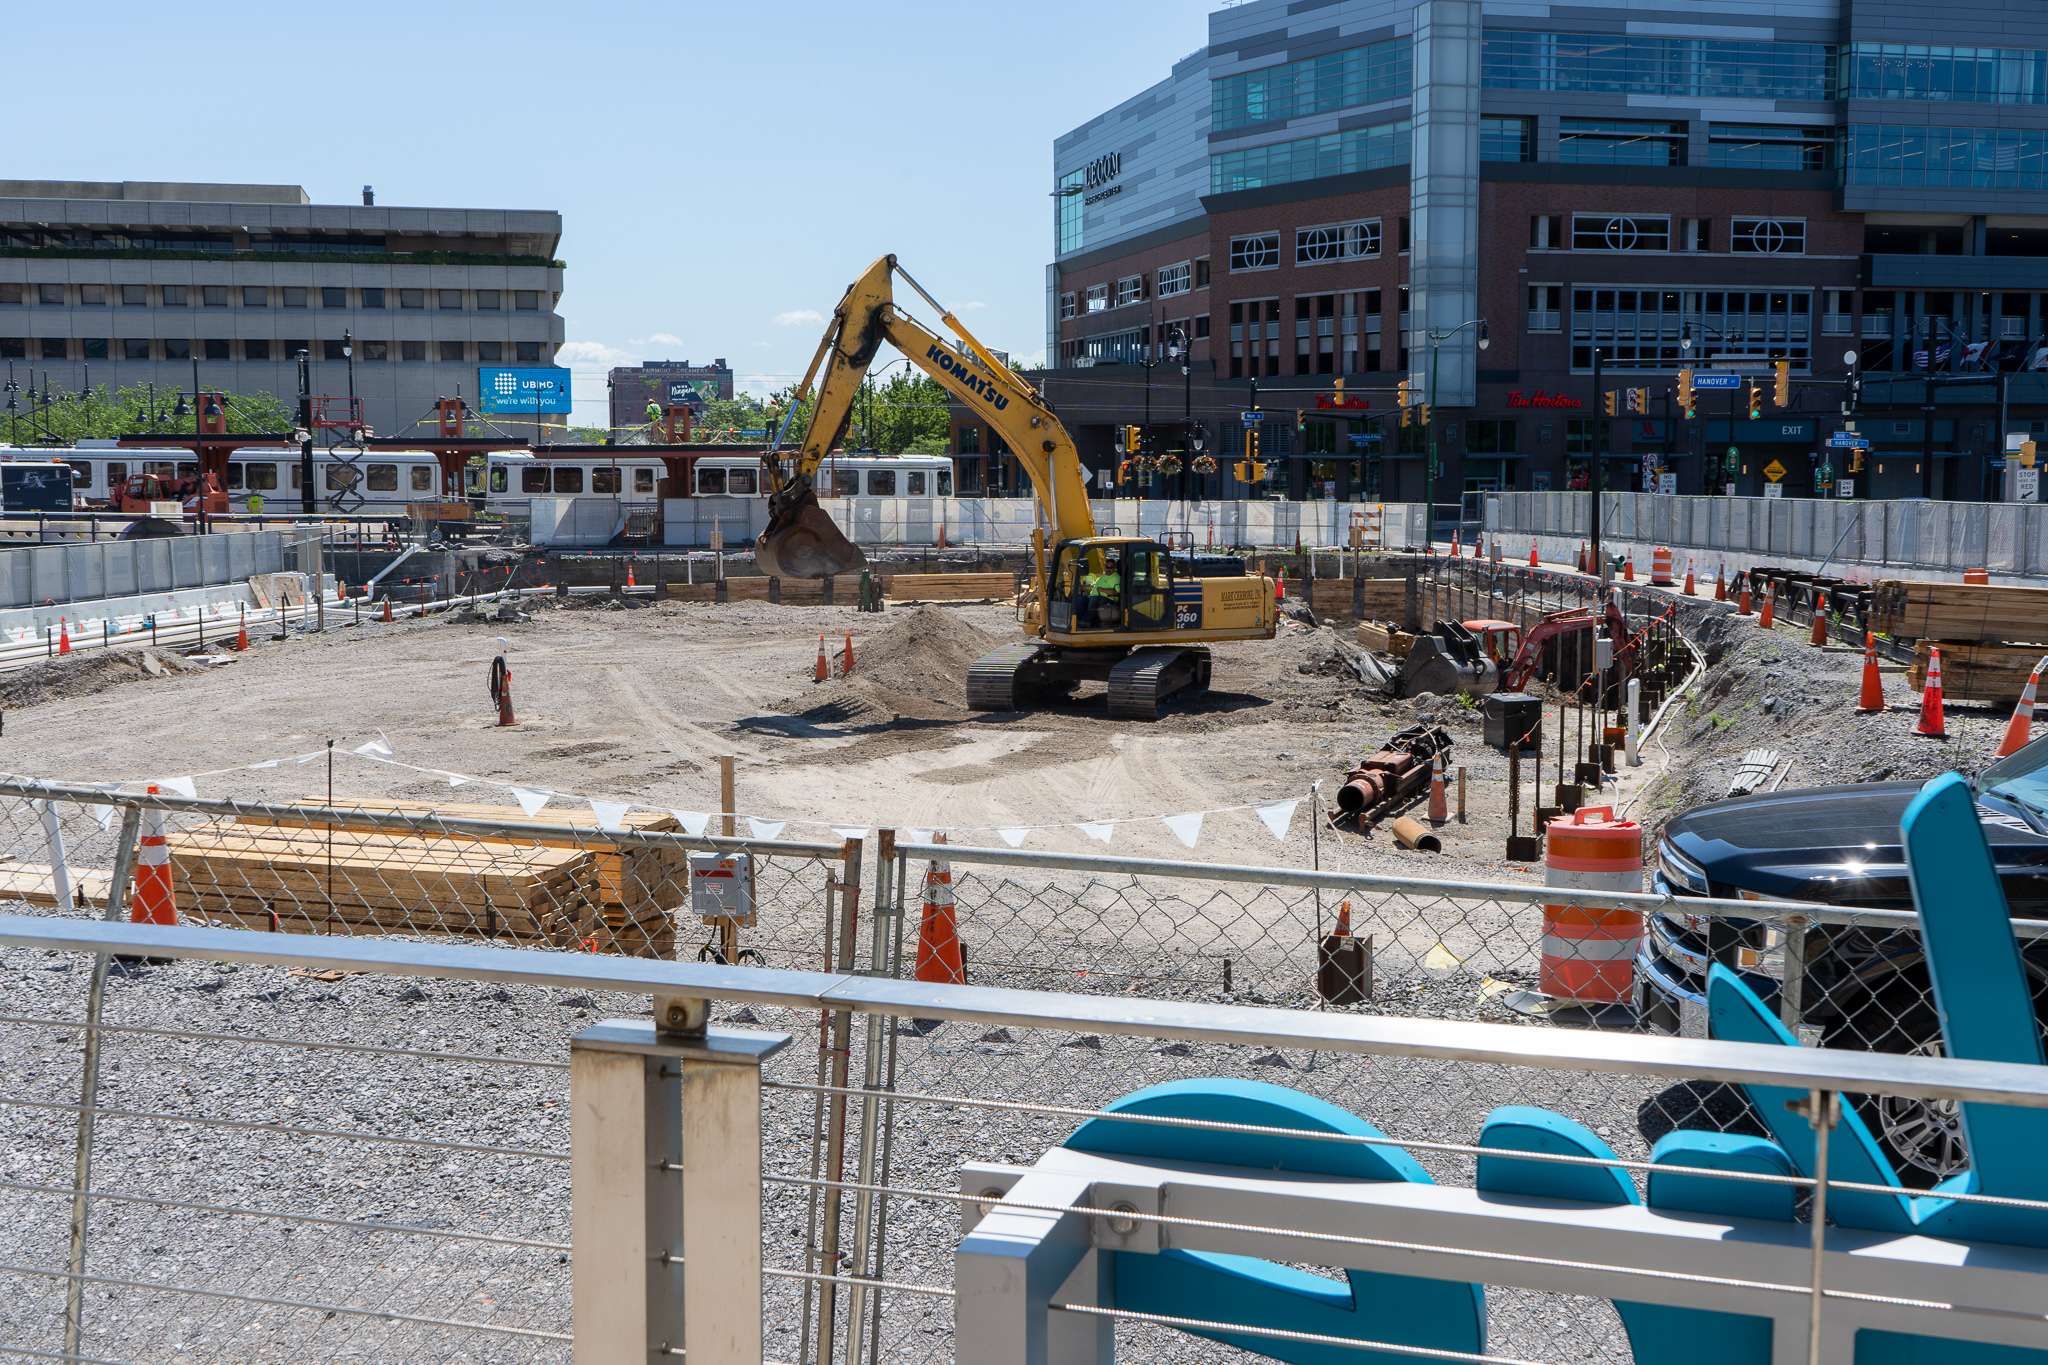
(160, 468)
(116, 474)
(298, 475)
(383, 478)
(422, 479)
(533, 480)
(845, 483)
(81, 474)
(710, 480)
(501, 479)
(261, 476)
(604, 480)
(913, 483)
(945, 482)
(188, 471)
(568, 479)
(881, 483)
(740, 481)
(643, 481)
(340, 477)
(234, 476)
(472, 478)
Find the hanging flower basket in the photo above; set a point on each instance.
(1203, 464)
(1168, 465)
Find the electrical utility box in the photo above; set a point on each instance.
(722, 887)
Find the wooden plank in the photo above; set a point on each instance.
(1977, 672)
(32, 882)
(949, 587)
(1960, 612)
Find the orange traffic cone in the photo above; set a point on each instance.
(847, 667)
(1689, 592)
(1628, 568)
(630, 584)
(1820, 620)
(938, 935)
(1764, 617)
(63, 635)
(242, 640)
(1439, 808)
(387, 608)
(152, 901)
(1873, 685)
(824, 668)
(1454, 545)
(1931, 724)
(1532, 552)
(1582, 556)
(942, 535)
(2021, 728)
(1742, 600)
(1721, 582)
(1280, 585)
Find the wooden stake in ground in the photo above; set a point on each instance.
(728, 927)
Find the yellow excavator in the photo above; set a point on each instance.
(1124, 610)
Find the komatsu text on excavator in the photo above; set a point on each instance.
(1124, 610)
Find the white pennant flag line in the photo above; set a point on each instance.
(610, 814)
(1014, 837)
(849, 831)
(765, 829)
(1098, 829)
(181, 785)
(919, 836)
(1187, 828)
(529, 801)
(1278, 815)
(376, 748)
(693, 822)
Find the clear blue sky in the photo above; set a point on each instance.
(723, 170)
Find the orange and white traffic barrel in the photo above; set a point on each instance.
(1589, 954)
(1660, 566)
(152, 901)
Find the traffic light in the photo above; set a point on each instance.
(1423, 410)
(1130, 435)
(1783, 394)
(1685, 391)
(2028, 452)
(1756, 401)
(1258, 471)
(1243, 471)
(1401, 400)
(1607, 402)
(1639, 400)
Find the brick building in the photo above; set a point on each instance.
(1786, 181)
(667, 382)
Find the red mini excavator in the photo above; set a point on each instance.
(1479, 657)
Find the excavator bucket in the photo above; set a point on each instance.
(803, 543)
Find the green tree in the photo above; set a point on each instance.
(103, 413)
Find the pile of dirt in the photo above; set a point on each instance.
(81, 675)
(914, 667)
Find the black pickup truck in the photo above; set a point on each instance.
(1863, 987)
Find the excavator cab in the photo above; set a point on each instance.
(1114, 585)
(1501, 640)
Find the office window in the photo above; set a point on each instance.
(1309, 158)
(1130, 289)
(374, 352)
(1067, 306)
(1201, 326)
(1782, 235)
(1594, 232)
(333, 298)
(1960, 158)
(255, 296)
(92, 296)
(1337, 242)
(1768, 148)
(449, 298)
(1578, 435)
(13, 348)
(10, 295)
(255, 350)
(292, 296)
(1545, 307)
(1337, 80)
(1260, 252)
(487, 300)
(1634, 326)
(331, 350)
(213, 295)
(451, 352)
(1098, 297)
(175, 349)
(413, 350)
(295, 347)
(1490, 436)
(1603, 142)
(412, 298)
(1546, 232)
(135, 348)
(526, 352)
(1254, 338)
(1965, 75)
(174, 296)
(1506, 139)
(373, 298)
(489, 352)
(526, 300)
(57, 348)
(132, 296)
(1176, 279)
(1606, 63)
(94, 348)
(50, 295)
(216, 349)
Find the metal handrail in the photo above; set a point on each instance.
(1382, 1035)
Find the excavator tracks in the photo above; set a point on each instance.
(1001, 679)
(1147, 677)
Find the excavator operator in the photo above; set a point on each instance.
(1101, 589)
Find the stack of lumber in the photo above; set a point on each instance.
(1380, 637)
(949, 587)
(1386, 599)
(630, 889)
(808, 592)
(312, 881)
(1988, 673)
(1974, 613)
(32, 882)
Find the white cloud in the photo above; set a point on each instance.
(799, 317)
(966, 307)
(663, 337)
(592, 354)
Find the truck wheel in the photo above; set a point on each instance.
(1923, 1139)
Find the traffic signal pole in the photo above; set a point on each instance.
(1599, 463)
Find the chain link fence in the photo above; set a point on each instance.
(423, 1123)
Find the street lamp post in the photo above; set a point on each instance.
(1707, 461)
(1429, 468)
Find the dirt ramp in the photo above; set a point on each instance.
(914, 666)
(84, 673)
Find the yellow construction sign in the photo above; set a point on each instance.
(1774, 471)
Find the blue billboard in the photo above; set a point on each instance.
(523, 390)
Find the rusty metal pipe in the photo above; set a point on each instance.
(1410, 832)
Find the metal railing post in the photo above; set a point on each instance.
(863, 1208)
(665, 1169)
(89, 1085)
(1792, 990)
(841, 1031)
